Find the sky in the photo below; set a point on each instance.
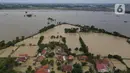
(65, 1)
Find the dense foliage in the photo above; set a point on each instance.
(83, 48)
(46, 28)
(40, 40)
(77, 68)
(70, 30)
(98, 30)
(7, 64)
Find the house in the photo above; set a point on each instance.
(67, 68)
(43, 52)
(40, 58)
(83, 58)
(22, 58)
(61, 58)
(70, 57)
(43, 69)
(102, 65)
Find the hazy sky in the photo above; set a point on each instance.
(66, 1)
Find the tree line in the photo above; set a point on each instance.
(4, 44)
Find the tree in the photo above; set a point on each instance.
(22, 37)
(17, 39)
(110, 56)
(77, 68)
(64, 40)
(84, 48)
(76, 49)
(44, 62)
(9, 44)
(52, 71)
(40, 40)
(2, 43)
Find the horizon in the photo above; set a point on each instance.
(67, 1)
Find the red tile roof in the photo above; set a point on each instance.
(83, 58)
(21, 59)
(102, 64)
(43, 51)
(43, 69)
(40, 58)
(60, 58)
(67, 68)
(23, 55)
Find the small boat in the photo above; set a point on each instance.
(29, 15)
(125, 21)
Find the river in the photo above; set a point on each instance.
(13, 23)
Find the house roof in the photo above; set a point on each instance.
(43, 69)
(40, 58)
(59, 57)
(67, 68)
(101, 65)
(83, 58)
(23, 55)
(70, 57)
(21, 59)
(43, 51)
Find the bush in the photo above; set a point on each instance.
(44, 62)
(84, 48)
(40, 40)
(52, 54)
(52, 71)
(76, 49)
(64, 40)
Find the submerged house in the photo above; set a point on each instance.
(67, 68)
(83, 58)
(43, 52)
(102, 65)
(61, 58)
(70, 58)
(40, 58)
(22, 58)
(43, 69)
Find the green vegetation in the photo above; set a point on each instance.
(71, 30)
(7, 64)
(51, 55)
(52, 71)
(46, 28)
(30, 70)
(41, 47)
(83, 48)
(40, 40)
(44, 62)
(98, 30)
(64, 40)
(77, 68)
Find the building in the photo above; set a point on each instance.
(40, 58)
(61, 58)
(102, 65)
(67, 68)
(22, 58)
(43, 69)
(83, 58)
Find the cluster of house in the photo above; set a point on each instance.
(60, 57)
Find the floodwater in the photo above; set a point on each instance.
(13, 23)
